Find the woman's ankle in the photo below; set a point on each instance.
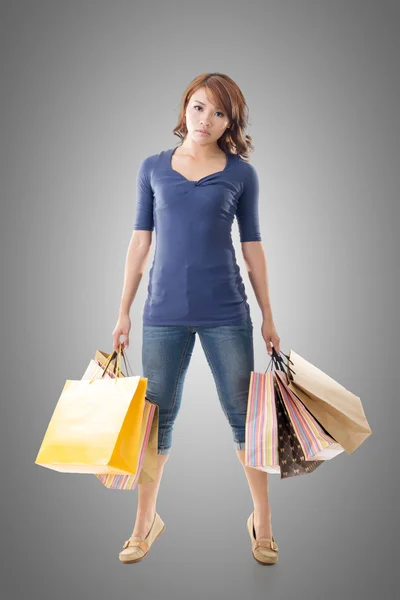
(263, 511)
(146, 513)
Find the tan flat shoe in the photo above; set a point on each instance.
(136, 548)
(265, 550)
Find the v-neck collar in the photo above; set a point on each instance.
(169, 157)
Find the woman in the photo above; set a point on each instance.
(190, 196)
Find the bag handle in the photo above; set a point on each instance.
(275, 364)
(277, 361)
(109, 359)
(121, 352)
(126, 359)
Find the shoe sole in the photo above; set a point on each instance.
(265, 563)
(135, 560)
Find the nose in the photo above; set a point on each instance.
(204, 122)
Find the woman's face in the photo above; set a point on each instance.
(201, 114)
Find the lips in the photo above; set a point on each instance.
(202, 131)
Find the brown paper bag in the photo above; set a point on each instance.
(148, 471)
(338, 410)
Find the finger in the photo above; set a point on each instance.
(116, 342)
(126, 340)
(276, 344)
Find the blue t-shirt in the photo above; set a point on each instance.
(194, 278)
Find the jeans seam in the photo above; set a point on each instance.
(175, 392)
(217, 384)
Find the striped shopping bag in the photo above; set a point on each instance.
(271, 444)
(261, 437)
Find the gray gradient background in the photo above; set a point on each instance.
(87, 90)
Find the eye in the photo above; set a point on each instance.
(198, 106)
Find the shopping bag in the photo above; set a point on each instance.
(95, 427)
(271, 443)
(337, 409)
(146, 472)
(314, 441)
(148, 444)
(261, 434)
(292, 462)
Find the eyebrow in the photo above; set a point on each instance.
(200, 102)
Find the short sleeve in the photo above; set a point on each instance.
(144, 197)
(247, 207)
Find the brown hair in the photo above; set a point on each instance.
(224, 92)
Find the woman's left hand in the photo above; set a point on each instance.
(270, 334)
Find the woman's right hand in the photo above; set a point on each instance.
(122, 327)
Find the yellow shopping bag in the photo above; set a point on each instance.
(148, 444)
(96, 425)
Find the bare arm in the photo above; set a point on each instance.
(256, 265)
(135, 264)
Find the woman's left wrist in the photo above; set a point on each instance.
(268, 318)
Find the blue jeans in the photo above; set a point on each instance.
(166, 353)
